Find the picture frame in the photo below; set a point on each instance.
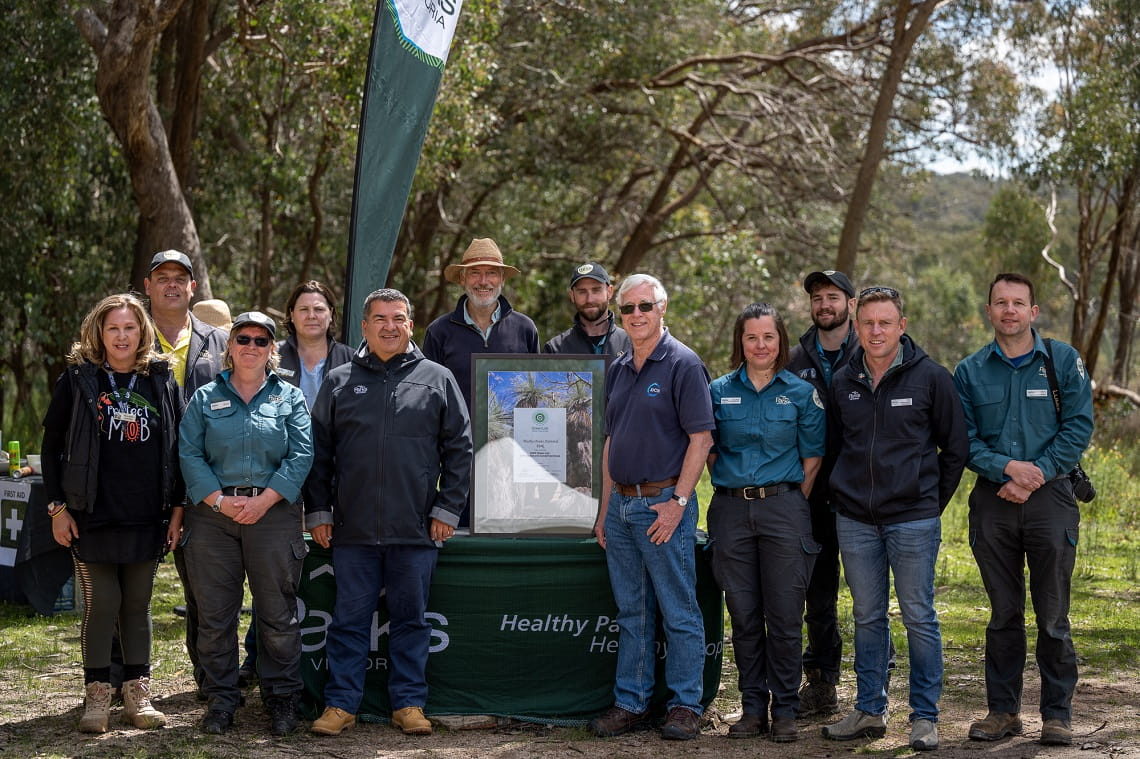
(538, 428)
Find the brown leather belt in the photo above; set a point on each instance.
(644, 489)
(241, 491)
(757, 492)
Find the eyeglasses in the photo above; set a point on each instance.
(260, 342)
(890, 292)
(644, 307)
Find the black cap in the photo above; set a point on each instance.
(257, 319)
(172, 257)
(591, 270)
(837, 278)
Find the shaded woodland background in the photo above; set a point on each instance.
(729, 147)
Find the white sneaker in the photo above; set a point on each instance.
(923, 735)
(857, 724)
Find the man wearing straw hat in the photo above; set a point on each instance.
(483, 320)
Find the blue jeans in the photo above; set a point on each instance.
(403, 573)
(646, 578)
(870, 554)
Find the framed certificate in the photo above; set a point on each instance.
(538, 430)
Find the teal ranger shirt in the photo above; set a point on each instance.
(225, 442)
(761, 437)
(1010, 414)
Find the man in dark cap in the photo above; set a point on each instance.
(196, 351)
(822, 351)
(594, 330)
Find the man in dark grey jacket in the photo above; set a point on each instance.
(390, 476)
(594, 330)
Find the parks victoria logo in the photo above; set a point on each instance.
(426, 27)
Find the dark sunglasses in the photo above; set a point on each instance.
(644, 307)
(890, 292)
(260, 342)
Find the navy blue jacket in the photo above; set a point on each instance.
(903, 444)
(575, 340)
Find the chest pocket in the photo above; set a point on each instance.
(906, 414)
(732, 427)
(221, 424)
(270, 420)
(990, 409)
(779, 425)
(413, 412)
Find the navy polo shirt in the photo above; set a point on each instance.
(762, 436)
(650, 414)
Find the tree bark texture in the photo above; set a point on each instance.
(124, 38)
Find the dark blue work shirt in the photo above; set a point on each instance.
(650, 414)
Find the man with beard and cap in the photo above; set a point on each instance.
(483, 320)
(822, 351)
(594, 330)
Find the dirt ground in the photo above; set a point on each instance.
(1106, 723)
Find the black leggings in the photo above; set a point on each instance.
(115, 593)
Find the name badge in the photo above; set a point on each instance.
(285, 372)
(216, 405)
(1036, 393)
(895, 402)
(730, 401)
(125, 417)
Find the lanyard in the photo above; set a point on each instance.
(123, 407)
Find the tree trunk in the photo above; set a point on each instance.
(901, 45)
(124, 41)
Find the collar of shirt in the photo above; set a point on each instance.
(898, 359)
(494, 320)
(179, 352)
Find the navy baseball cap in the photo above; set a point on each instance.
(837, 278)
(591, 270)
(257, 319)
(172, 257)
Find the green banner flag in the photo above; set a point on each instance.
(410, 40)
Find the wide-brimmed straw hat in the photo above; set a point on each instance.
(214, 312)
(481, 252)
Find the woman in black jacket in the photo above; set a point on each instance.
(110, 459)
(310, 351)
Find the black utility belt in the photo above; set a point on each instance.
(242, 491)
(757, 492)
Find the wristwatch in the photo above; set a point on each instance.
(682, 500)
(218, 503)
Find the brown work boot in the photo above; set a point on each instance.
(411, 721)
(333, 721)
(749, 726)
(97, 708)
(681, 725)
(1056, 732)
(817, 696)
(784, 730)
(995, 726)
(137, 709)
(617, 721)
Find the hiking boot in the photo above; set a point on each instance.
(333, 721)
(282, 715)
(749, 726)
(411, 721)
(1056, 732)
(784, 730)
(857, 724)
(681, 725)
(817, 696)
(617, 721)
(217, 722)
(97, 708)
(995, 726)
(137, 709)
(923, 735)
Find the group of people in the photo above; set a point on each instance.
(166, 434)
(846, 447)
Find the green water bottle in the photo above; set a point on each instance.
(13, 457)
